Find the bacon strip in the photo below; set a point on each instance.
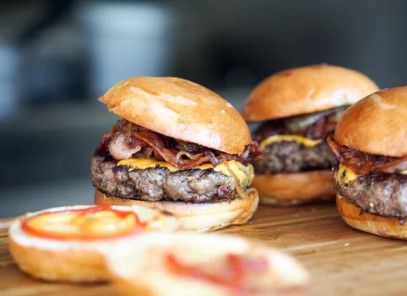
(103, 145)
(321, 128)
(168, 154)
(164, 147)
(364, 163)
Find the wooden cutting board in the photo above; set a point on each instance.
(342, 261)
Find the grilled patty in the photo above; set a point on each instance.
(154, 184)
(293, 157)
(376, 193)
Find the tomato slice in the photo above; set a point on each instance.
(231, 275)
(98, 222)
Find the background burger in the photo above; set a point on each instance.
(180, 148)
(371, 177)
(297, 109)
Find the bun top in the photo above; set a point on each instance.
(376, 124)
(306, 90)
(180, 109)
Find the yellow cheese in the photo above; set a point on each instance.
(243, 173)
(146, 163)
(346, 174)
(279, 138)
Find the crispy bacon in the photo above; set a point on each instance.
(184, 153)
(104, 143)
(168, 149)
(321, 128)
(155, 141)
(254, 149)
(364, 163)
(162, 152)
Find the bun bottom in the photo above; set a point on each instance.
(295, 188)
(64, 266)
(78, 261)
(196, 217)
(378, 225)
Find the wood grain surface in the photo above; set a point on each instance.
(341, 260)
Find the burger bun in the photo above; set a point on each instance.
(294, 188)
(378, 225)
(196, 217)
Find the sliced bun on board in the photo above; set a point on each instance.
(204, 264)
(66, 243)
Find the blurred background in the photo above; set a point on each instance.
(58, 56)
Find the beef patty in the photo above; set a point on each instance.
(293, 157)
(376, 193)
(154, 184)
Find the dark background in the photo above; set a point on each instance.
(58, 56)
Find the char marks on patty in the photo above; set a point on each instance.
(154, 184)
(292, 157)
(376, 193)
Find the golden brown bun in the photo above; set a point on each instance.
(377, 124)
(149, 274)
(180, 109)
(196, 217)
(70, 260)
(379, 225)
(84, 266)
(294, 189)
(306, 90)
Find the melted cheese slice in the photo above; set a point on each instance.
(243, 173)
(346, 174)
(296, 138)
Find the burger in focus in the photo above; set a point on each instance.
(179, 147)
(371, 174)
(297, 109)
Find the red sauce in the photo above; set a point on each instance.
(232, 274)
(38, 225)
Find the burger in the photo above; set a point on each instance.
(371, 175)
(179, 147)
(296, 110)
